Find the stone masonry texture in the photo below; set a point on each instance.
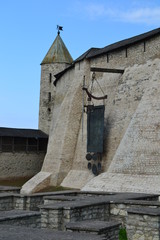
(131, 159)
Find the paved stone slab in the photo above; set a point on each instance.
(92, 226)
(8, 232)
(6, 194)
(9, 189)
(134, 196)
(63, 198)
(76, 204)
(144, 211)
(138, 202)
(8, 215)
(96, 200)
(67, 193)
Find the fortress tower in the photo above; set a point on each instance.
(56, 60)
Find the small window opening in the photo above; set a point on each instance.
(49, 97)
(7, 144)
(126, 52)
(144, 46)
(49, 110)
(50, 77)
(107, 58)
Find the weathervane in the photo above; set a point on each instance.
(59, 28)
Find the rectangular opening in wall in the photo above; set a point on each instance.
(126, 52)
(107, 58)
(144, 46)
(49, 97)
(32, 144)
(7, 144)
(19, 144)
(43, 144)
(50, 77)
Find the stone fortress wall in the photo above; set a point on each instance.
(131, 123)
(20, 164)
(47, 93)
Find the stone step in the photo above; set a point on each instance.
(56, 215)
(143, 223)
(20, 217)
(109, 230)
(61, 198)
(9, 232)
(9, 189)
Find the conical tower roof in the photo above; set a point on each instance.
(58, 53)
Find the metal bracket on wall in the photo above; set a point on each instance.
(107, 70)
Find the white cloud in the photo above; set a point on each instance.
(98, 10)
(142, 15)
(147, 15)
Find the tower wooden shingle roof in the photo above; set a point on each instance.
(58, 53)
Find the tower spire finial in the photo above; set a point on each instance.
(59, 28)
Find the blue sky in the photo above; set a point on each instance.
(28, 28)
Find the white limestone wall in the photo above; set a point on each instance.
(124, 94)
(123, 159)
(136, 163)
(64, 132)
(131, 55)
(46, 86)
(109, 85)
(142, 138)
(62, 88)
(62, 142)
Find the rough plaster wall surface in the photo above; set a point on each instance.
(77, 178)
(135, 55)
(112, 182)
(63, 139)
(122, 106)
(47, 86)
(136, 163)
(109, 85)
(124, 95)
(19, 165)
(62, 143)
(61, 91)
(66, 151)
(37, 183)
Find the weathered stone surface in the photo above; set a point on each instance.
(21, 218)
(84, 212)
(143, 223)
(108, 230)
(124, 182)
(46, 86)
(79, 178)
(20, 165)
(9, 232)
(38, 182)
(131, 138)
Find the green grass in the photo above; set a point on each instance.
(122, 234)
